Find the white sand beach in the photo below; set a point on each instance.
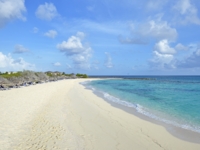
(64, 115)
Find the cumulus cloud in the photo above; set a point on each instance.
(51, 34)
(188, 12)
(180, 47)
(10, 10)
(8, 63)
(164, 48)
(57, 64)
(192, 61)
(20, 49)
(162, 61)
(79, 53)
(72, 46)
(108, 61)
(156, 29)
(46, 11)
(163, 56)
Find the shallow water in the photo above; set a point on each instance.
(171, 99)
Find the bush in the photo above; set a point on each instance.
(81, 75)
(6, 75)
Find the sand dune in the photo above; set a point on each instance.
(64, 115)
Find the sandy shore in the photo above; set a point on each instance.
(64, 115)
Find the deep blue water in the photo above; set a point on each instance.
(172, 99)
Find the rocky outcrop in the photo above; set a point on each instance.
(27, 78)
(4, 81)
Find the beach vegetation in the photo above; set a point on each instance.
(11, 74)
(68, 74)
(81, 75)
(54, 74)
(49, 74)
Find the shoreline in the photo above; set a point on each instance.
(181, 133)
(65, 115)
(178, 132)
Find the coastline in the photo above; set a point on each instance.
(66, 115)
(181, 133)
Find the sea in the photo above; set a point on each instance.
(174, 100)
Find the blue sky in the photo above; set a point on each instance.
(101, 37)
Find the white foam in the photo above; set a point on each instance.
(144, 111)
(117, 100)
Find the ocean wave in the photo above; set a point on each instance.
(142, 110)
(117, 100)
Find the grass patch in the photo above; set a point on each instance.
(6, 75)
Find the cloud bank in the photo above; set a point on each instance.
(7, 63)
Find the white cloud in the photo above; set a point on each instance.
(79, 53)
(81, 35)
(180, 47)
(72, 46)
(188, 12)
(197, 52)
(162, 61)
(183, 6)
(155, 4)
(81, 60)
(35, 30)
(192, 61)
(20, 49)
(104, 27)
(46, 11)
(108, 61)
(7, 63)
(57, 64)
(164, 48)
(51, 34)
(163, 56)
(158, 29)
(11, 9)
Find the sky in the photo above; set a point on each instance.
(101, 37)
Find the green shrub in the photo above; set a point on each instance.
(81, 75)
(6, 75)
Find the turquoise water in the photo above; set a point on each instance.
(173, 100)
